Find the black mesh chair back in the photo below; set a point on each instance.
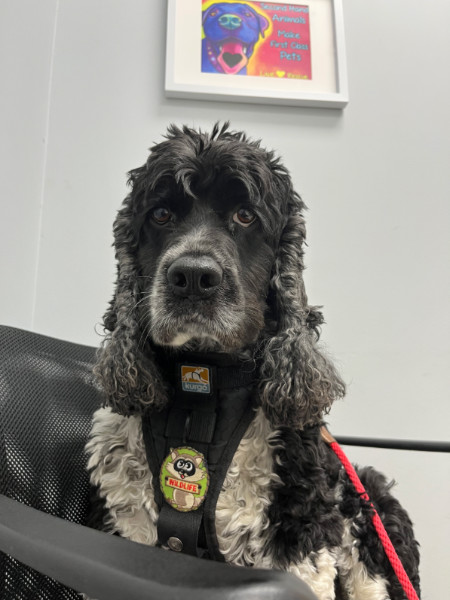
(47, 399)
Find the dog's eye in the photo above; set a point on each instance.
(161, 215)
(244, 217)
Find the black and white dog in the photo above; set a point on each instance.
(209, 246)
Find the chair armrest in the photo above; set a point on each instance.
(107, 567)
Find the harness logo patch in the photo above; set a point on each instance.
(195, 379)
(184, 479)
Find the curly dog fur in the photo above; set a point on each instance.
(228, 205)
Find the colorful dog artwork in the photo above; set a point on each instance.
(256, 38)
(231, 32)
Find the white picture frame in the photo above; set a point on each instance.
(327, 86)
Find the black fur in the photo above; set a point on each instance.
(306, 517)
(304, 513)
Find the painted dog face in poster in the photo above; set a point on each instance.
(231, 32)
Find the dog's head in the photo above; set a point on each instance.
(208, 218)
(209, 246)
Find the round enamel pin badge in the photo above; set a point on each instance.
(184, 479)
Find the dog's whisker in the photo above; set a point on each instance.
(132, 309)
(145, 335)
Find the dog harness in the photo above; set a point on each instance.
(190, 444)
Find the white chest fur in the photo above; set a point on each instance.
(119, 468)
(118, 465)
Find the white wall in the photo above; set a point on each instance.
(26, 46)
(82, 100)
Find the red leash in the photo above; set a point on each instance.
(377, 523)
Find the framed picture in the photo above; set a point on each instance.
(285, 53)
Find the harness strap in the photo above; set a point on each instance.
(210, 425)
(179, 531)
(185, 425)
(219, 476)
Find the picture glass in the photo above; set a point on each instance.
(262, 39)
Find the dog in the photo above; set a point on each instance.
(210, 252)
(231, 31)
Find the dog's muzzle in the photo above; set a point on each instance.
(194, 276)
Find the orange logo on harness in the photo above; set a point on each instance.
(195, 379)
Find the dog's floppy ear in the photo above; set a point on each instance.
(263, 23)
(128, 376)
(298, 382)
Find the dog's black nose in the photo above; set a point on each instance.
(194, 276)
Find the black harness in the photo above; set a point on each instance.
(211, 405)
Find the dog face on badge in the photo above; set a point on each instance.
(207, 239)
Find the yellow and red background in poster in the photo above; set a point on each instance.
(285, 49)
